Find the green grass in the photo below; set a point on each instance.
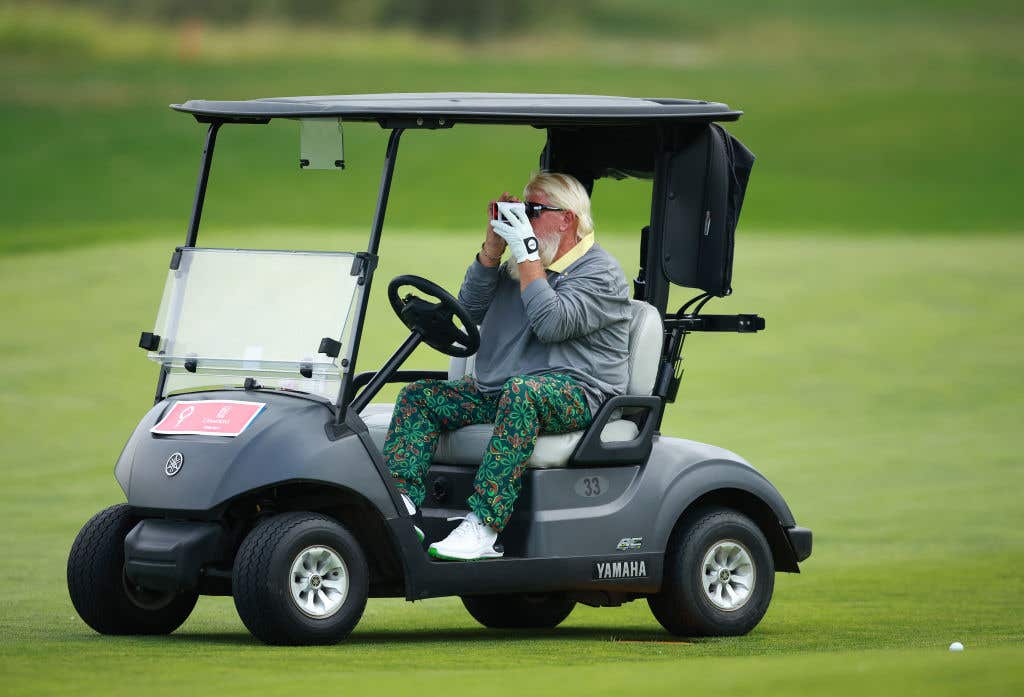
(883, 401)
(865, 120)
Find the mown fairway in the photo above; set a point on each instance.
(882, 401)
(880, 238)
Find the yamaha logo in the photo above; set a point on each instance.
(613, 570)
(173, 464)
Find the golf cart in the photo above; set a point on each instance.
(258, 472)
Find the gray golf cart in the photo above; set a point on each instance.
(258, 471)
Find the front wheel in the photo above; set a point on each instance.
(719, 576)
(518, 611)
(101, 593)
(300, 578)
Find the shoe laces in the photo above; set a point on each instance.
(469, 527)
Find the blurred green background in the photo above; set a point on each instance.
(868, 118)
(881, 238)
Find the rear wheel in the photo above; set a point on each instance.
(518, 611)
(719, 576)
(300, 578)
(103, 595)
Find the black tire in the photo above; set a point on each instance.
(518, 611)
(682, 607)
(261, 580)
(99, 590)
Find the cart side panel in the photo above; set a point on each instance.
(288, 441)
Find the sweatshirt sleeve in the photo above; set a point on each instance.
(478, 289)
(582, 304)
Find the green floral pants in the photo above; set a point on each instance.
(526, 406)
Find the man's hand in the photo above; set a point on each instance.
(518, 232)
(494, 244)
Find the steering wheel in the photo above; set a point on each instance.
(434, 322)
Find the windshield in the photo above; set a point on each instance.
(228, 314)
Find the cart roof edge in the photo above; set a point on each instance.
(468, 107)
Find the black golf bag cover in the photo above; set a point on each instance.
(707, 179)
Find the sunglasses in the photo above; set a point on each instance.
(534, 209)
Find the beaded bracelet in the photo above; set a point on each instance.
(492, 258)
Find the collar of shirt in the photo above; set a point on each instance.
(560, 264)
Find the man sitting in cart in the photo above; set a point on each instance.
(553, 346)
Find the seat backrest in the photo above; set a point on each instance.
(458, 367)
(645, 338)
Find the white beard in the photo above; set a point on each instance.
(547, 247)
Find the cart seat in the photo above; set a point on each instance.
(466, 446)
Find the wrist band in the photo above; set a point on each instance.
(492, 258)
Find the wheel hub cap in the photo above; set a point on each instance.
(728, 575)
(318, 580)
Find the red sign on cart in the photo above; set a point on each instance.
(222, 417)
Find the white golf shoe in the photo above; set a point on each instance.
(471, 540)
(411, 507)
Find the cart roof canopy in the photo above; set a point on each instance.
(443, 109)
(700, 171)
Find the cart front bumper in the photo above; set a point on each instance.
(169, 555)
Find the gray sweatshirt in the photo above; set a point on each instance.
(574, 322)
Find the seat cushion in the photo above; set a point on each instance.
(645, 340)
(466, 445)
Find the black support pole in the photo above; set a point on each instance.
(193, 223)
(656, 285)
(379, 379)
(366, 274)
(161, 381)
(384, 191)
(204, 176)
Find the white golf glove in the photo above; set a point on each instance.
(522, 243)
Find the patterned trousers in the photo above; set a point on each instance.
(525, 407)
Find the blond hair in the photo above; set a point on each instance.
(565, 191)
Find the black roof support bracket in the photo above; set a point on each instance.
(421, 122)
